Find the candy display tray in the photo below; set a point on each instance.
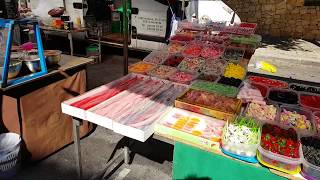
(201, 109)
(164, 127)
(67, 108)
(140, 134)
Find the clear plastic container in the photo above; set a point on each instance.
(268, 82)
(193, 49)
(263, 119)
(262, 88)
(213, 51)
(192, 64)
(241, 149)
(234, 54)
(316, 120)
(162, 72)
(309, 169)
(176, 47)
(253, 40)
(181, 38)
(315, 98)
(183, 77)
(279, 162)
(301, 111)
(280, 99)
(220, 81)
(156, 57)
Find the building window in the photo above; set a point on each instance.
(312, 2)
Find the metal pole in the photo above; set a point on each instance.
(76, 138)
(125, 36)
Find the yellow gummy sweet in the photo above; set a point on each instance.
(235, 71)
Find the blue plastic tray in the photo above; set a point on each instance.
(246, 159)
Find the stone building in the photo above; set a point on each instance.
(281, 18)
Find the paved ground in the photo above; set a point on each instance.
(152, 160)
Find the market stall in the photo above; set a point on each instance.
(198, 91)
(26, 111)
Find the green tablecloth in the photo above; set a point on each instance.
(193, 163)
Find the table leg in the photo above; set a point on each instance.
(76, 137)
(126, 155)
(71, 43)
(99, 44)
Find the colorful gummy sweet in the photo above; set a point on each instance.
(233, 54)
(311, 151)
(213, 52)
(230, 81)
(317, 120)
(182, 77)
(283, 96)
(310, 101)
(192, 50)
(305, 88)
(294, 119)
(211, 100)
(175, 47)
(280, 141)
(266, 113)
(212, 69)
(156, 57)
(235, 71)
(192, 64)
(214, 66)
(141, 67)
(163, 72)
(181, 38)
(268, 82)
(173, 60)
(216, 88)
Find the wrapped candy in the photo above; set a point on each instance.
(293, 118)
(235, 71)
(163, 72)
(141, 67)
(191, 64)
(183, 77)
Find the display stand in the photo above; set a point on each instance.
(9, 25)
